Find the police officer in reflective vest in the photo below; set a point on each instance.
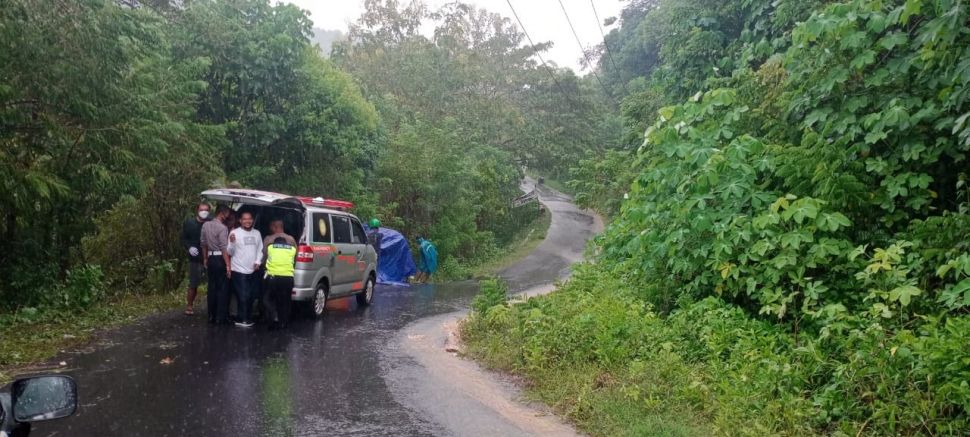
(280, 262)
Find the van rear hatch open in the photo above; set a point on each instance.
(265, 206)
(240, 196)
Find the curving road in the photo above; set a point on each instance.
(369, 371)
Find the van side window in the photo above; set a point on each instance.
(359, 236)
(341, 229)
(321, 228)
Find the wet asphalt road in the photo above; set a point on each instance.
(341, 375)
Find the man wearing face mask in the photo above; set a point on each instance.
(191, 241)
(215, 252)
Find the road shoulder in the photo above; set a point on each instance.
(481, 402)
(460, 394)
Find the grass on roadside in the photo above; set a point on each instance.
(566, 347)
(605, 403)
(599, 354)
(30, 339)
(522, 244)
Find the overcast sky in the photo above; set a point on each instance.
(543, 19)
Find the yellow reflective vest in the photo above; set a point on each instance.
(280, 259)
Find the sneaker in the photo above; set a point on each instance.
(244, 324)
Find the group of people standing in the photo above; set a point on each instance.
(238, 261)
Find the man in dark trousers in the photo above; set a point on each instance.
(276, 230)
(215, 243)
(280, 263)
(192, 242)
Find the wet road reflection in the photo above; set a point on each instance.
(321, 377)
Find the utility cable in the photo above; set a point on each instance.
(606, 46)
(539, 55)
(583, 50)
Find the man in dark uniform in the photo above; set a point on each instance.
(191, 241)
(215, 250)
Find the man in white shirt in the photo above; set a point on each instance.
(246, 250)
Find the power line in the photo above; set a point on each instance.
(606, 45)
(583, 50)
(548, 68)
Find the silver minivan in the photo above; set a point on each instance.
(333, 258)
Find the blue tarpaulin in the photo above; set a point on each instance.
(395, 263)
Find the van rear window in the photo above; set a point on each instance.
(321, 228)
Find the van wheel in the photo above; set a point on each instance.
(364, 298)
(318, 306)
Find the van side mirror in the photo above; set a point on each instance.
(43, 398)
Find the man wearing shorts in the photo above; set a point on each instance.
(191, 241)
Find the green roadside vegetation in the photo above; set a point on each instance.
(522, 243)
(557, 343)
(789, 246)
(525, 231)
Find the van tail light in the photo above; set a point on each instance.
(304, 254)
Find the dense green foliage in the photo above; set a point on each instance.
(463, 109)
(85, 123)
(291, 116)
(794, 247)
(115, 118)
(666, 51)
(602, 181)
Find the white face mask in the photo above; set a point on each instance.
(203, 215)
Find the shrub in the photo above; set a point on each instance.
(83, 287)
(492, 292)
(28, 281)
(745, 376)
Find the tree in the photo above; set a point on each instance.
(292, 119)
(116, 117)
(90, 97)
